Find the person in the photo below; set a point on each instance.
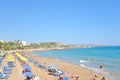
(76, 77)
(96, 76)
(92, 59)
(60, 77)
(101, 66)
(29, 78)
(103, 78)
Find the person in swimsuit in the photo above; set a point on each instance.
(101, 66)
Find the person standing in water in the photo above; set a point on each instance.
(101, 66)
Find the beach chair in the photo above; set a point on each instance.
(10, 64)
(27, 67)
(30, 59)
(41, 66)
(7, 70)
(54, 73)
(3, 77)
(35, 62)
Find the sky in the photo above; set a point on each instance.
(65, 21)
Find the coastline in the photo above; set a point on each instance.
(70, 69)
(73, 70)
(37, 50)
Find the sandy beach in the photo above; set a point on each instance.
(71, 71)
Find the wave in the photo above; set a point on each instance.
(83, 65)
(83, 61)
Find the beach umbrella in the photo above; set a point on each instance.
(65, 78)
(52, 66)
(28, 74)
(59, 72)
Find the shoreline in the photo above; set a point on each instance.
(92, 72)
(84, 73)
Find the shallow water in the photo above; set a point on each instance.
(90, 58)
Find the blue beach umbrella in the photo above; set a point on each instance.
(65, 78)
(60, 72)
(52, 66)
(27, 67)
(28, 74)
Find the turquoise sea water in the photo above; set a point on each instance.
(90, 58)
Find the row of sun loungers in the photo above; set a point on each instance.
(51, 69)
(26, 68)
(6, 71)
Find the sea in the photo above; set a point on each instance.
(90, 58)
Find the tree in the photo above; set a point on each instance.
(7, 48)
(20, 47)
(1, 44)
(11, 43)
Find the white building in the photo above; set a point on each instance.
(24, 43)
(2, 41)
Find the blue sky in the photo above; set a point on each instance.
(65, 21)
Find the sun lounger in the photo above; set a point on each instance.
(27, 67)
(3, 77)
(10, 64)
(54, 73)
(41, 66)
(30, 59)
(7, 71)
(36, 63)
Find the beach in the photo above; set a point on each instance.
(71, 71)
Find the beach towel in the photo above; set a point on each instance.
(36, 78)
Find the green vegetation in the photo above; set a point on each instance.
(18, 45)
(10, 45)
(48, 45)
